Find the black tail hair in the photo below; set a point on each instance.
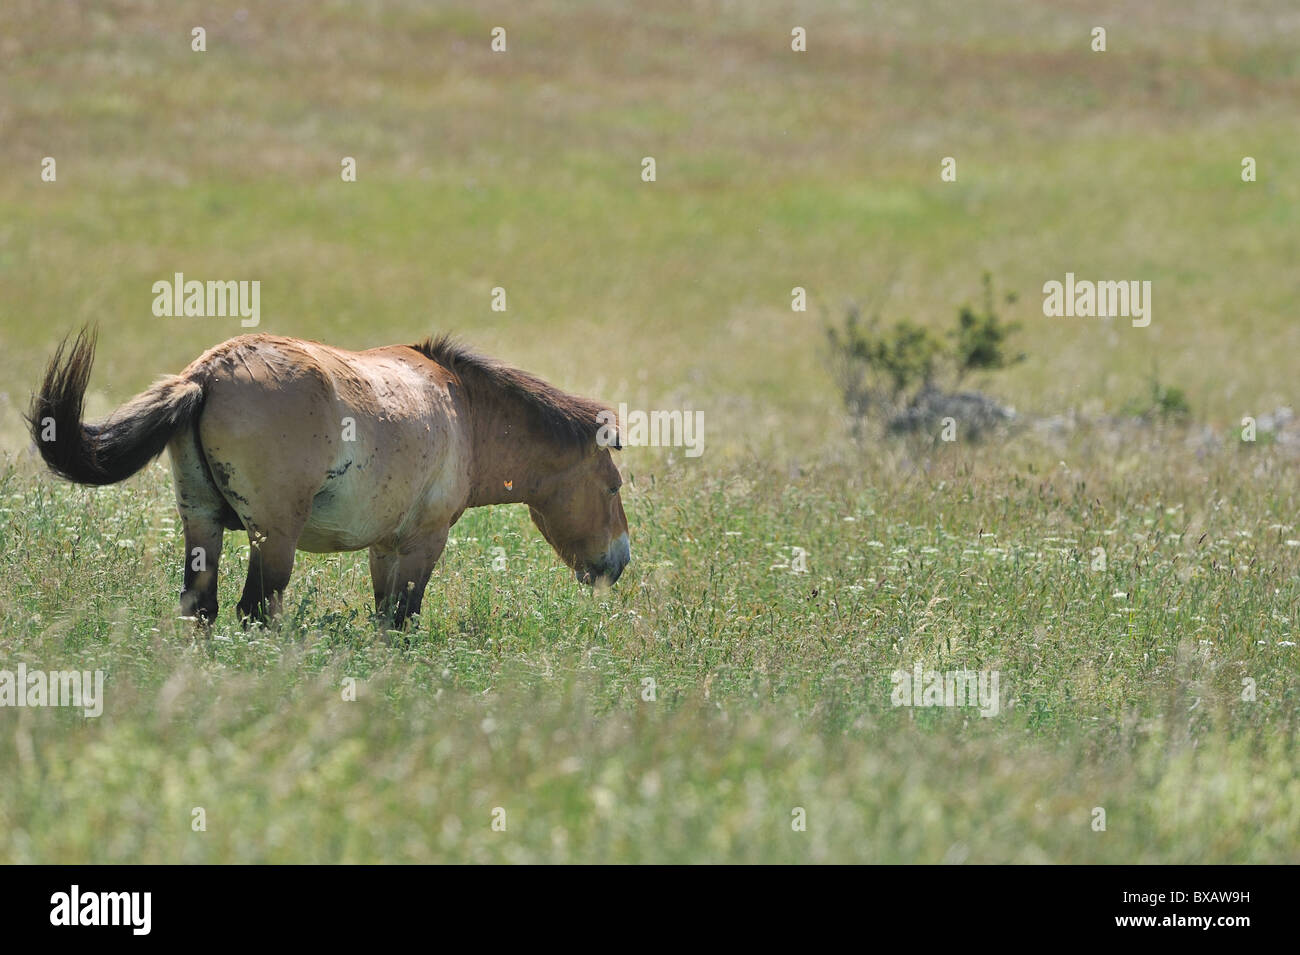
(111, 450)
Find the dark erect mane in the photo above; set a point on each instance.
(569, 419)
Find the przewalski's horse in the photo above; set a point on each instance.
(314, 448)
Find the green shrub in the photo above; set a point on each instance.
(884, 369)
(1162, 402)
(980, 337)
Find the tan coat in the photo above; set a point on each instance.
(314, 448)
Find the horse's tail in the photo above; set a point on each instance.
(111, 450)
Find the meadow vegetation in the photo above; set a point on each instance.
(1130, 584)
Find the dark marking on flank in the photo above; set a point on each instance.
(221, 474)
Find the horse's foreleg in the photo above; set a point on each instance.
(270, 564)
(202, 551)
(400, 577)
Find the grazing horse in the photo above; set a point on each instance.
(314, 448)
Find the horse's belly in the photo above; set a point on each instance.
(343, 520)
(396, 482)
(353, 513)
(321, 538)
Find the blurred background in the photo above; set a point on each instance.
(775, 169)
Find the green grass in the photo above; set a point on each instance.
(1122, 688)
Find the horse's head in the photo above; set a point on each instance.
(579, 513)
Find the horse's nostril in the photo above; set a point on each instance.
(620, 552)
(617, 563)
(609, 566)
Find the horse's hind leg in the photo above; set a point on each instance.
(201, 508)
(270, 564)
(274, 520)
(202, 551)
(400, 577)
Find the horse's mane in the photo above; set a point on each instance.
(568, 419)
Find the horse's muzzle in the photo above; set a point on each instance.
(610, 567)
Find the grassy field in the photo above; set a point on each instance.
(1122, 688)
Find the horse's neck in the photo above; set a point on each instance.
(509, 462)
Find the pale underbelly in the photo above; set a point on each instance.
(340, 521)
(331, 540)
(364, 505)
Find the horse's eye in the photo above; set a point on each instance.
(613, 490)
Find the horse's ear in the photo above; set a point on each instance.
(608, 434)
